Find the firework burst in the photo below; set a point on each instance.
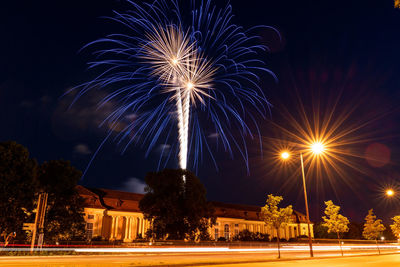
(169, 62)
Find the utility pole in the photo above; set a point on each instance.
(39, 220)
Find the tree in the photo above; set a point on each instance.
(64, 218)
(177, 210)
(373, 228)
(276, 217)
(355, 231)
(17, 188)
(335, 222)
(396, 226)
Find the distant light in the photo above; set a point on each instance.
(317, 148)
(382, 238)
(285, 155)
(389, 192)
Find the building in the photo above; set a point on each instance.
(115, 215)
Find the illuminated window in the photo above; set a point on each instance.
(90, 217)
(216, 234)
(226, 231)
(89, 230)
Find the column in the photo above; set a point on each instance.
(134, 228)
(99, 224)
(112, 227)
(139, 226)
(116, 226)
(126, 232)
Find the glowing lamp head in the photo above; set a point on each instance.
(189, 85)
(389, 192)
(317, 148)
(285, 155)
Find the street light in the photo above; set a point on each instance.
(389, 192)
(316, 148)
(285, 155)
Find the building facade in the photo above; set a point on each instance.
(115, 215)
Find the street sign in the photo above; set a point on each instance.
(28, 226)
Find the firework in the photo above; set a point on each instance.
(201, 69)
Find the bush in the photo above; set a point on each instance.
(221, 239)
(275, 239)
(246, 235)
(302, 236)
(293, 239)
(97, 238)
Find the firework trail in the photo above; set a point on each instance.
(188, 63)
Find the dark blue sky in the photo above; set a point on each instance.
(328, 47)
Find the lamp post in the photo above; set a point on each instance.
(316, 148)
(306, 204)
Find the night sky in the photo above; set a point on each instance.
(343, 51)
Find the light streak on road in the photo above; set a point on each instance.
(292, 248)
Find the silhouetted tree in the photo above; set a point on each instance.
(176, 209)
(320, 231)
(64, 218)
(17, 188)
(355, 231)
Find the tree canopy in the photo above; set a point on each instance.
(335, 222)
(18, 182)
(372, 227)
(64, 219)
(22, 179)
(276, 217)
(396, 226)
(176, 209)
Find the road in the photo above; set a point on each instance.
(234, 259)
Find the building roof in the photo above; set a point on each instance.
(115, 200)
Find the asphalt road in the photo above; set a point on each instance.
(233, 259)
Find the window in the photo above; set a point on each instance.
(89, 230)
(236, 231)
(236, 225)
(226, 231)
(216, 234)
(90, 217)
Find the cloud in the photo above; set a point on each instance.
(213, 135)
(134, 185)
(46, 99)
(164, 147)
(82, 149)
(131, 117)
